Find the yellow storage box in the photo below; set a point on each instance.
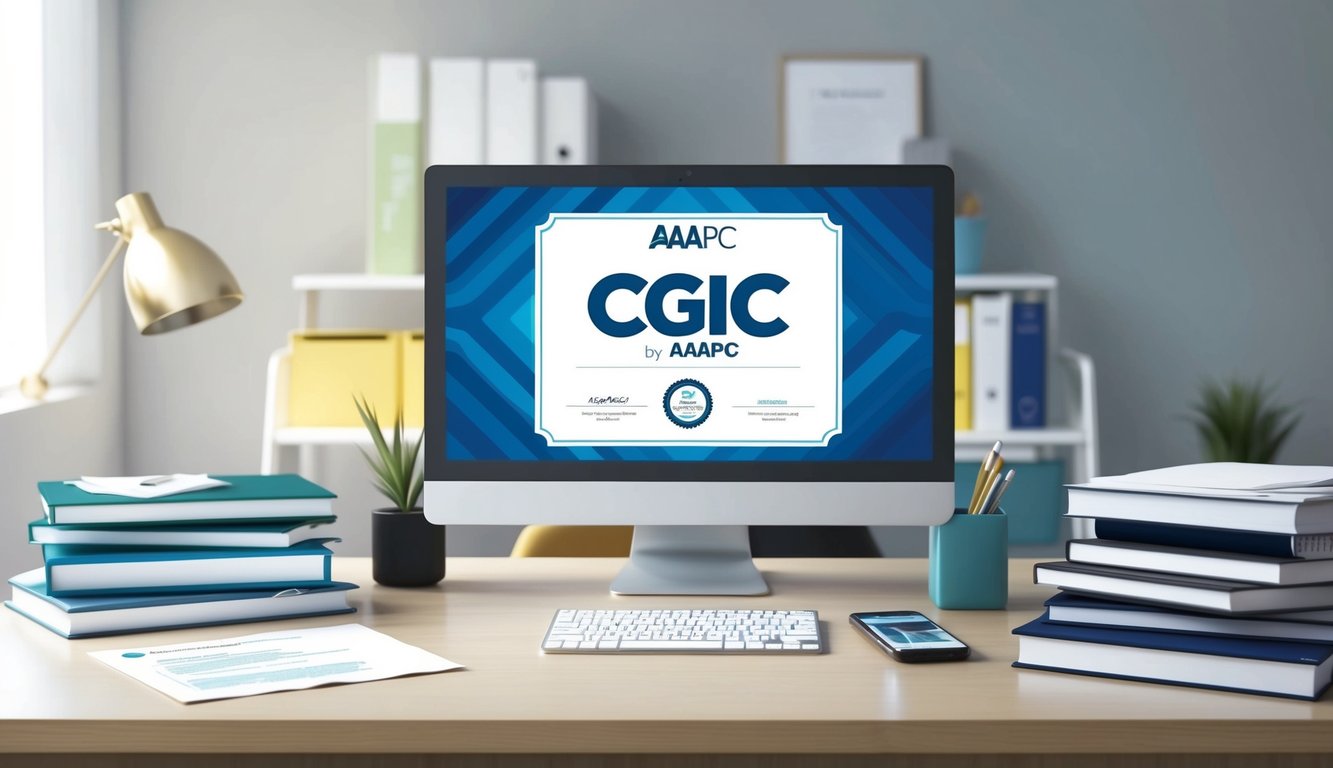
(414, 378)
(329, 367)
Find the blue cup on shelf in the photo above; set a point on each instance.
(969, 239)
(969, 561)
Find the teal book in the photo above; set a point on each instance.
(248, 497)
(73, 570)
(77, 617)
(280, 533)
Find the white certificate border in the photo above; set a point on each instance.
(552, 441)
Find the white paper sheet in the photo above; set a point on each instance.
(1233, 476)
(133, 487)
(273, 661)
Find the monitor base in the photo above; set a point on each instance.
(690, 560)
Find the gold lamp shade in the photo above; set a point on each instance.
(171, 279)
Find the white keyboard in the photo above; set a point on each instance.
(684, 631)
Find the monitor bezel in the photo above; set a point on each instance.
(939, 179)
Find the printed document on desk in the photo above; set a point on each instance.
(273, 661)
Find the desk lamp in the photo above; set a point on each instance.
(171, 279)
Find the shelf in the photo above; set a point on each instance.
(1004, 281)
(353, 281)
(333, 435)
(1036, 437)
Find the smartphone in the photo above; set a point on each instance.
(909, 636)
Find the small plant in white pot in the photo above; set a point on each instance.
(406, 549)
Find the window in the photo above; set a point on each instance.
(53, 186)
(22, 191)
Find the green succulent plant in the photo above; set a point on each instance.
(394, 465)
(1238, 421)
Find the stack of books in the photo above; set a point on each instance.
(1207, 575)
(251, 550)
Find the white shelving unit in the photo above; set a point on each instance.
(1071, 380)
(281, 439)
(1071, 411)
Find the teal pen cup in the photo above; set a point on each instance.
(969, 561)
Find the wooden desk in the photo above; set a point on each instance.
(854, 704)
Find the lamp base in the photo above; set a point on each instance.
(34, 386)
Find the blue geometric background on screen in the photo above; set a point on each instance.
(887, 320)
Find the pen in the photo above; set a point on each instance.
(982, 474)
(992, 505)
(159, 480)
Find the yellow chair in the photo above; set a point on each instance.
(573, 541)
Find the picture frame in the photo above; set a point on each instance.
(841, 109)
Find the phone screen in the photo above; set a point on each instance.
(909, 631)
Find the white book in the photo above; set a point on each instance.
(1255, 569)
(992, 318)
(511, 112)
(569, 122)
(1237, 510)
(456, 123)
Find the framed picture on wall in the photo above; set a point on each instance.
(849, 109)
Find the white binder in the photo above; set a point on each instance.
(992, 320)
(511, 112)
(456, 124)
(569, 122)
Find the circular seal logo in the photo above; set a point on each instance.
(687, 403)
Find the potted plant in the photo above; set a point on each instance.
(1237, 421)
(406, 549)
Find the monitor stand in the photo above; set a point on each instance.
(690, 560)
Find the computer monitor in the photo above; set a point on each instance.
(689, 350)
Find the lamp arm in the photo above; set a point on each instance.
(34, 385)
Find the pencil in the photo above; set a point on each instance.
(983, 473)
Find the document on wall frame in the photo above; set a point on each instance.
(290, 660)
(850, 110)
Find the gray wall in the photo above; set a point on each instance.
(1168, 161)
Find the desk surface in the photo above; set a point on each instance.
(490, 614)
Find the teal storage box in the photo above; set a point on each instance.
(1035, 501)
(969, 562)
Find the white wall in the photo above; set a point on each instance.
(82, 435)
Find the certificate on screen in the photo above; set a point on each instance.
(688, 329)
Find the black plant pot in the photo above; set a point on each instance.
(407, 551)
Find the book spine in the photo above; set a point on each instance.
(1216, 539)
(511, 112)
(456, 123)
(962, 365)
(396, 169)
(1028, 382)
(991, 320)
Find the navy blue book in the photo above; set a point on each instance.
(1027, 378)
(1069, 608)
(1315, 546)
(75, 570)
(1297, 670)
(76, 617)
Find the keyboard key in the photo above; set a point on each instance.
(671, 645)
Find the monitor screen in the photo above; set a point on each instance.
(686, 324)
